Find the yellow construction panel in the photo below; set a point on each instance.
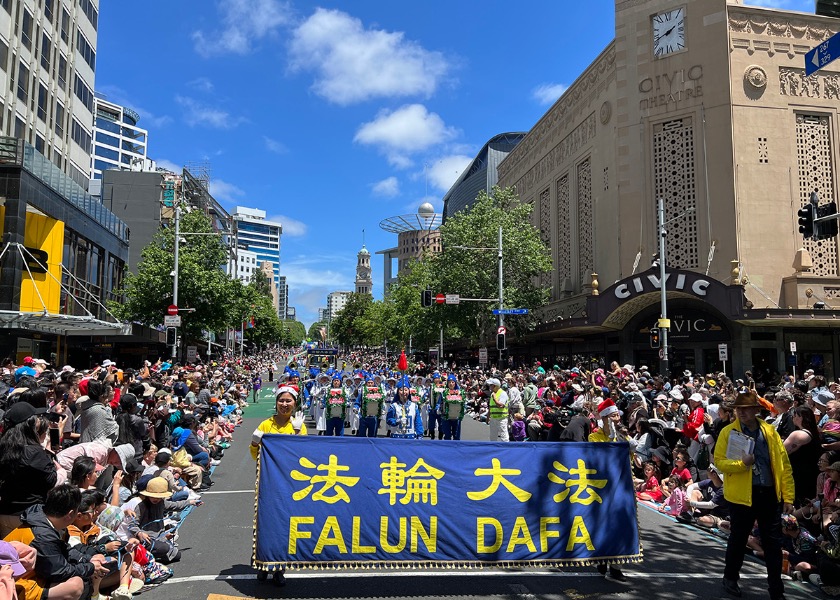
(40, 291)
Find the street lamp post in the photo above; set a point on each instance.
(175, 271)
(664, 322)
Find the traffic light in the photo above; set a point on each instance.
(426, 298)
(654, 337)
(500, 341)
(826, 230)
(806, 221)
(171, 336)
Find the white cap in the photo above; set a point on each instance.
(695, 397)
(676, 394)
(67, 369)
(39, 361)
(494, 381)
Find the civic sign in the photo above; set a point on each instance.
(440, 298)
(453, 299)
(510, 311)
(817, 58)
(172, 310)
(172, 321)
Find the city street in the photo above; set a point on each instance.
(216, 539)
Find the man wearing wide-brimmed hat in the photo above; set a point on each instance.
(758, 486)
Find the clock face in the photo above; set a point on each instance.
(669, 32)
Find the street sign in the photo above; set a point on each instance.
(482, 355)
(502, 330)
(723, 352)
(172, 310)
(817, 58)
(793, 347)
(192, 351)
(440, 298)
(453, 299)
(510, 311)
(172, 321)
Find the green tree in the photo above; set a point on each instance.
(261, 282)
(344, 327)
(295, 332)
(474, 273)
(314, 332)
(202, 285)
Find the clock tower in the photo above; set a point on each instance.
(364, 281)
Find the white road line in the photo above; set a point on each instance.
(227, 492)
(631, 575)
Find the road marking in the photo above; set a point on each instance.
(224, 597)
(631, 575)
(227, 492)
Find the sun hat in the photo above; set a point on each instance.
(157, 488)
(676, 394)
(19, 412)
(9, 556)
(108, 363)
(746, 399)
(835, 466)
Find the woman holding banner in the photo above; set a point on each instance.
(283, 422)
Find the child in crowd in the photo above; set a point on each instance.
(517, 428)
(801, 548)
(649, 488)
(674, 491)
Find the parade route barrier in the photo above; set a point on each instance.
(328, 502)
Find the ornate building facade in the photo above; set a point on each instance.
(706, 105)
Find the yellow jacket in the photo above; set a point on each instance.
(737, 477)
(270, 426)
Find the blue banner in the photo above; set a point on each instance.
(346, 501)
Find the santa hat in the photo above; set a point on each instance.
(606, 408)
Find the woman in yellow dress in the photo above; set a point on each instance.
(288, 421)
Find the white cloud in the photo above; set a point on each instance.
(548, 93)
(243, 22)
(196, 113)
(387, 188)
(274, 146)
(400, 133)
(164, 163)
(225, 192)
(353, 64)
(443, 173)
(202, 84)
(311, 277)
(291, 227)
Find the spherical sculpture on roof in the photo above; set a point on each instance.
(426, 209)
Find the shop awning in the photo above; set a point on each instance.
(60, 324)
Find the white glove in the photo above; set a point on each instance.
(256, 437)
(297, 421)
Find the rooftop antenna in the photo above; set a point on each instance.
(363, 236)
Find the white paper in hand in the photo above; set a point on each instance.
(739, 445)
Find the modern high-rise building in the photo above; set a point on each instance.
(336, 301)
(259, 235)
(47, 68)
(118, 143)
(323, 313)
(481, 174)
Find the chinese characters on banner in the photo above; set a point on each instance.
(347, 501)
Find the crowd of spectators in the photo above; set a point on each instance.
(99, 467)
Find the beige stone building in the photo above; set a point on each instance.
(705, 104)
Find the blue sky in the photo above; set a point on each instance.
(332, 116)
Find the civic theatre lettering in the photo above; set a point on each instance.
(650, 283)
(687, 326)
(671, 89)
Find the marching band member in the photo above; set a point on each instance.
(353, 390)
(404, 414)
(452, 409)
(369, 404)
(335, 404)
(319, 411)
